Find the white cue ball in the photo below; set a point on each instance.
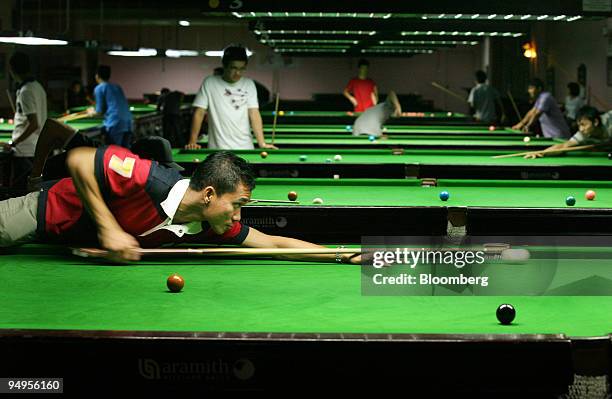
(527, 139)
(515, 255)
(317, 201)
(336, 177)
(338, 157)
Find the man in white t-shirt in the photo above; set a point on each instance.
(30, 115)
(230, 101)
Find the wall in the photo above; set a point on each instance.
(567, 45)
(307, 75)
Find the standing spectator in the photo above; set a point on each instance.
(361, 91)
(573, 103)
(30, 115)
(230, 101)
(169, 104)
(483, 98)
(112, 104)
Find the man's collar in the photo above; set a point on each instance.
(171, 203)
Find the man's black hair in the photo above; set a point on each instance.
(224, 171)
(234, 53)
(363, 62)
(537, 83)
(481, 76)
(574, 89)
(104, 72)
(590, 113)
(20, 63)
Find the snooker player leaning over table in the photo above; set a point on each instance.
(591, 130)
(122, 202)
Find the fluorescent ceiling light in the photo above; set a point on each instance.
(184, 22)
(181, 53)
(32, 41)
(215, 53)
(142, 52)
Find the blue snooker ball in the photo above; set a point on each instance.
(349, 128)
(328, 160)
(371, 138)
(570, 201)
(444, 195)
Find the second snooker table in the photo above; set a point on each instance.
(353, 208)
(413, 163)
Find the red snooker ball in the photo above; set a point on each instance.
(590, 195)
(491, 128)
(292, 195)
(264, 154)
(175, 283)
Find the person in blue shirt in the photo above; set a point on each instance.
(112, 104)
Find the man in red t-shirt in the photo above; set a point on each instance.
(362, 91)
(121, 202)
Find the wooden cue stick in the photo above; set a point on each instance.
(580, 147)
(71, 117)
(447, 91)
(275, 116)
(10, 98)
(100, 253)
(274, 201)
(518, 114)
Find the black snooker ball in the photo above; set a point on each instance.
(505, 314)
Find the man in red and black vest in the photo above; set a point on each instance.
(121, 202)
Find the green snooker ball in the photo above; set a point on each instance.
(570, 201)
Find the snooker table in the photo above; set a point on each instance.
(353, 208)
(289, 117)
(134, 108)
(347, 140)
(413, 163)
(399, 130)
(91, 322)
(146, 122)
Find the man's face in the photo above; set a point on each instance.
(234, 71)
(224, 210)
(533, 91)
(363, 70)
(586, 126)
